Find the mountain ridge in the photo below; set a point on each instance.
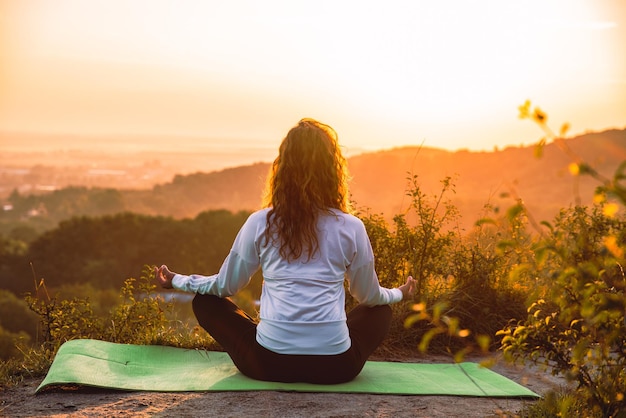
(379, 183)
(379, 179)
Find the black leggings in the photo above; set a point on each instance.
(235, 331)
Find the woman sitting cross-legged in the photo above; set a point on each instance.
(306, 243)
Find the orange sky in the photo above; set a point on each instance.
(448, 74)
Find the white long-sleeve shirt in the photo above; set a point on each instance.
(302, 301)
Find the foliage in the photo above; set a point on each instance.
(137, 311)
(458, 277)
(13, 262)
(576, 319)
(140, 317)
(15, 316)
(415, 248)
(557, 404)
(104, 251)
(8, 343)
(576, 324)
(185, 197)
(65, 203)
(32, 361)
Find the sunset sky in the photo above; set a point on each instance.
(445, 74)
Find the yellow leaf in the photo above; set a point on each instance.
(610, 209)
(524, 110)
(599, 198)
(411, 320)
(483, 342)
(419, 307)
(574, 169)
(518, 330)
(459, 356)
(610, 243)
(425, 341)
(574, 322)
(464, 333)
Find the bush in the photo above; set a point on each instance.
(576, 325)
(140, 317)
(576, 318)
(15, 316)
(462, 298)
(9, 342)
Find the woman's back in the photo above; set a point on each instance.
(303, 300)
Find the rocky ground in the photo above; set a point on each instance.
(21, 401)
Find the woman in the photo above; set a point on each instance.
(306, 244)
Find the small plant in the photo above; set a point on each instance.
(140, 318)
(62, 320)
(557, 404)
(32, 362)
(449, 327)
(458, 278)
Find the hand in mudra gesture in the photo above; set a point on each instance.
(408, 289)
(164, 276)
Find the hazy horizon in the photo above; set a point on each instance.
(166, 155)
(136, 143)
(447, 75)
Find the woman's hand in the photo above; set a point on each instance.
(408, 289)
(164, 276)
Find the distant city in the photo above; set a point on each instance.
(38, 163)
(33, 166)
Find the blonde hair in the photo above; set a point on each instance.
(308, 177)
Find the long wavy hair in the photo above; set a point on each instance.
(309, 177)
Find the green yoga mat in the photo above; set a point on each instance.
(168, 369)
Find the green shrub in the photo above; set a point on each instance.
(576, 325)
(576, 318)
(15, 316)
(140, 317)
(9, 343)
(31, 362)
(462, 296)
(557, 404)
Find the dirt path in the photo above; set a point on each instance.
(87, 402)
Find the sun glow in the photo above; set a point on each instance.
(448, 73)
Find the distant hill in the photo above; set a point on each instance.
(378, 185)
(379, 180)
(544, 184)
